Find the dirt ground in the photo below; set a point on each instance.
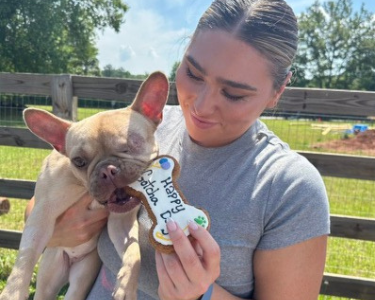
(361, 143)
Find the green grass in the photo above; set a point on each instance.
(301, 134)
(347, 196)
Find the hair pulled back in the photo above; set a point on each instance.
(269, 26)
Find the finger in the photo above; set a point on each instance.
(98, 225)
(180, 285)
(85, 200)
(81, 205)
(98, 214)
(94, 215)
(176, 271)
(211, 250)
(166, 284)
(198, 249)
(190, 261)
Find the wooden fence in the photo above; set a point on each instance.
(66, 89)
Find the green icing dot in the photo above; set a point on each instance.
(201, 221)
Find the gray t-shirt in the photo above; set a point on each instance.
(258, 192)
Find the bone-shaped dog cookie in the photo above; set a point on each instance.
(159, 192)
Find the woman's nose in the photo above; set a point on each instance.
(204, 103)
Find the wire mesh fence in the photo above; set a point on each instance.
(306, 132)
(350, 197)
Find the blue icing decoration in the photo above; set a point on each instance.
(163, 160)
(164, 163)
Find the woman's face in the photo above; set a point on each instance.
(223, 85)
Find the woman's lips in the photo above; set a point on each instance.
(201, 123)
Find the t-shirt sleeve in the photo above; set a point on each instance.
(297, 206)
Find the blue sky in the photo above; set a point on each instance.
(156, 32)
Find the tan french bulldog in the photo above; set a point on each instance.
(99, 155)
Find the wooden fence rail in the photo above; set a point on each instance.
(66, 89)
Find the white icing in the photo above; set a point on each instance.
(165, 201)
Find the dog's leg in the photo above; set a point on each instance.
(52, 274)
(127, 277)
(82, 275)
(34, 239)
(37, 232)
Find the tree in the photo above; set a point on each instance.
(336, 47)
(172, 75)
(110, 71)
(54, 36)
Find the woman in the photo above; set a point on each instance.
(268, 205)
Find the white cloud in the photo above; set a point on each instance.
(126, 53)
(148, 41)
(156, 33)
(152, 53)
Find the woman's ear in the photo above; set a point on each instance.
(278, 93)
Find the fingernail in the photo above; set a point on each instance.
(171, 225)
(193, 225)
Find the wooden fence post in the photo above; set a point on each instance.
(64, 103)
(4, 205)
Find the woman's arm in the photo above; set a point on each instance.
(291, 273)
(76, 225)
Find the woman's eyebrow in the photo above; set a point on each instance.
(196, 64)
(237, 85)
(234, 84)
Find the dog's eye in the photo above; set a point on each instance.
(79, 162)
(125, 149)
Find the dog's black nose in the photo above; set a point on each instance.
(109, 172)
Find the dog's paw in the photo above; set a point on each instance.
(121, 294)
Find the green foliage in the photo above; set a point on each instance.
(336, 48)
(110, 71)
(347, 197)
(172, 75)
(54, 36)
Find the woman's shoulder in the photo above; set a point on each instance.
(168, 133)
(172, 112)
(297, 206)
(172, 115)
(289, 165)
(285, 166)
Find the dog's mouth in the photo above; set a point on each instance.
(120, 201)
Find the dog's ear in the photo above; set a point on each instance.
(47, 126)
(152, 97)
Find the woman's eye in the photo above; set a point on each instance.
(231, 97)
(190, 74)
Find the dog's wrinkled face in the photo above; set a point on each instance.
(111, 149)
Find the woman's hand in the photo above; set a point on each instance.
(187, 273)
(77, 225)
